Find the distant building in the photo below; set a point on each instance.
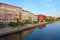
(50, 17)
(41, 17)
(25, 15)
(9, 13)
(35, 18)
(32, 17)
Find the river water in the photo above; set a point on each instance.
(49, 31)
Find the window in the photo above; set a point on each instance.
(1, 11)
(8, 8)
(1, 6)
(16, 14)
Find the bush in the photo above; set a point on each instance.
(21, 23)
(35, 21)
(12, 24)
(30, 22)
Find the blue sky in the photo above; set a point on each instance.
(47, 7)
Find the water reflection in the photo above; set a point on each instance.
(27, 32)
(49, 32)
(42, 26)
(11, 37)
(21, 35)
(56, 24)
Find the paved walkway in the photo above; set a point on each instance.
(3, 25)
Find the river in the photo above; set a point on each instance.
(49, 31)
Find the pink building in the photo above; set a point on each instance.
(9, 13)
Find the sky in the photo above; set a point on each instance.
(46, 7)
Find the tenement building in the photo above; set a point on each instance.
(9, 13)
(27, 16)
(41, 17)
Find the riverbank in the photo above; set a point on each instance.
(10, 30)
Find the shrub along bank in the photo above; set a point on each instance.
(12, 24)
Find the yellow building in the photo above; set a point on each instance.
(26, 15)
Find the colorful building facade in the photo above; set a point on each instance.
(35, 18)
(50, 17)
(9, 13)
(41, 17)
(25, 15)
(31, 17)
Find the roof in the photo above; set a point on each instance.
(10, 5)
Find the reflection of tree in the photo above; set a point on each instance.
(42, 26)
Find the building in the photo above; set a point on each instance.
(50, 17)
(41, 17)
(27, 16)
(9, 13)
(35, 18)
(32, 17)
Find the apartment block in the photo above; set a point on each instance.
(35, 18)
(32, 17)
(9, 13)
(41, 17)
(26, 15)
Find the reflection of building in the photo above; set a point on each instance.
(12, 37)
(42, 26)
(27, 32)
(9, 13)
(41, 17)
